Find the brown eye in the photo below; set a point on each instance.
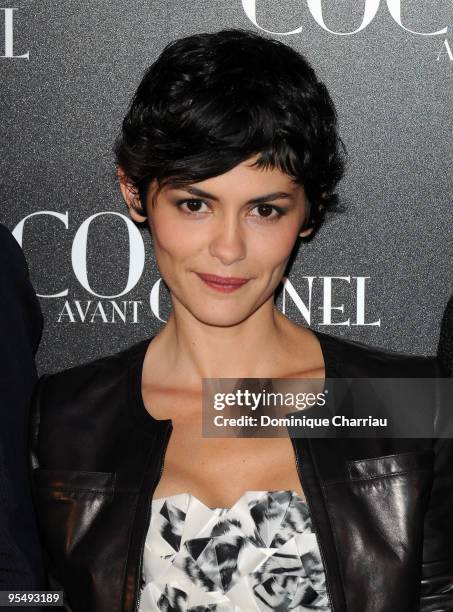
(194, 206)
(267, 212)
(191, 206)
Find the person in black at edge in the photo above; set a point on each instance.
(21, 566)
(445, 349)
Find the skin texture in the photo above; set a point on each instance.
(210, 334)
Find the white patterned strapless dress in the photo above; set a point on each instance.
(259, 555)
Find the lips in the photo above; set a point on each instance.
(223, 283)
(223, 280)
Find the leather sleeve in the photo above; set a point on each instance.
(53, 583)
(437, 569)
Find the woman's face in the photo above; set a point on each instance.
(240, 226)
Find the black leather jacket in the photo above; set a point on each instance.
(382, 508)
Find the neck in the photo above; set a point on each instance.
(255, 348)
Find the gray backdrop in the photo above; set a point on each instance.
(62, 108)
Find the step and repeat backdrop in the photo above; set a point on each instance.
(379, 272)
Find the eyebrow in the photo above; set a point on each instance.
(277, 195)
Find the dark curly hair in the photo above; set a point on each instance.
(211, 101)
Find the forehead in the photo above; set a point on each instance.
(246, 181)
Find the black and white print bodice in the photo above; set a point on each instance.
(261, 554)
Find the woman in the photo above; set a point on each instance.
(230, 152)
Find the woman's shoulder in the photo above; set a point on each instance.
(353, 358)
(84, 408)
(98, 377)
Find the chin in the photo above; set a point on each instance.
(217, 317)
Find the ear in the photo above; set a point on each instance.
(130, 196)
(306, 232)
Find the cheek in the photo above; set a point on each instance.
(174, 240)
(274, 247)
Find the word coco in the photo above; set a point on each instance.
(370, 10)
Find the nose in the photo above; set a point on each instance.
(227, 243)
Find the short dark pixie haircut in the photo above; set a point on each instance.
(212, 101)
